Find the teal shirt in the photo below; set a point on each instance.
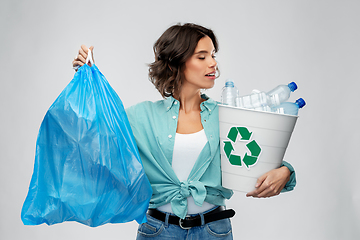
(154, 127)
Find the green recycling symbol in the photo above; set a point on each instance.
(254, 148)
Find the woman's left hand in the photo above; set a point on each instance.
(271, 183)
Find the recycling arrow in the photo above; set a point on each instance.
(254, 148)
(228, 148)
(255, 152)
(234, 159)
(244, 132)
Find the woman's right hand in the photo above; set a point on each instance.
(80, 58)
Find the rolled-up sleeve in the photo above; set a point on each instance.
(289, 186)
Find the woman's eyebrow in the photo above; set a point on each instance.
(204, 52)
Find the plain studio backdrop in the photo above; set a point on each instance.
(262, 44)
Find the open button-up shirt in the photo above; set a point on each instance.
(154, 127)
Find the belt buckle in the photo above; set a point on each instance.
(180, 224)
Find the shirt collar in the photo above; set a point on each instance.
(209, 104)
(170, 102)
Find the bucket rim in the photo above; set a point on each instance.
(257, 111)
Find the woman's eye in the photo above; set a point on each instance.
(202, 58)
(213, 56)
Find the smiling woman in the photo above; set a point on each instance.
(178, 141)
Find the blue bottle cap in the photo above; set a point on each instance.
(300, 102)
(229, 83)
(292, 86)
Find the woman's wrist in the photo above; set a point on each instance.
(286, 171)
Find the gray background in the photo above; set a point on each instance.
(262, 44)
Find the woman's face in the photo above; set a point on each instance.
(200, 68)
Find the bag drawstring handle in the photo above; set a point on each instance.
(89, 58)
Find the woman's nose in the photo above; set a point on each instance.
(213, 63)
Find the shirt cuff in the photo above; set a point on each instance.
(289, 186)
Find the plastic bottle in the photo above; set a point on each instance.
(229, 93)
(272, 98)
(263, 109)
(289, 107)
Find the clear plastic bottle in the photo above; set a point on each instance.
(289, 107)
(272, 98)
(229, 93)
(263, 108)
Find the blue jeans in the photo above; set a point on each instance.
(158, 230)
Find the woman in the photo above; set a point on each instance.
(178, 141)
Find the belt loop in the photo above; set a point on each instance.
(202, 219)
(167, 219)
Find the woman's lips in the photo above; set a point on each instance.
(211, 75)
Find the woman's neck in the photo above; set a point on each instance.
(189, 119)
(189, 100)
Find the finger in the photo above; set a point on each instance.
(77, 63)
(259, 187)
(84, 48)
(261, 190)
(260, 180)
(251, 194)
(255, 192)
(81, 59)
(268, 192)
(271, 189)
(264, 188)
(83, 53)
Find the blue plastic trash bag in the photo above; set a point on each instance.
(87, 165)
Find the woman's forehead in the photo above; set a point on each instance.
(205, 45)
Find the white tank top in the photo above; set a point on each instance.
(187, 148)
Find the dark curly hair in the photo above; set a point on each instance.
(174, 47)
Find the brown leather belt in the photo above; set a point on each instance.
(189, 222)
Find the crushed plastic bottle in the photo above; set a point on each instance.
(272, 98)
